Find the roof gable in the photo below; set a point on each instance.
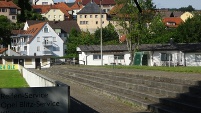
(3, 50)
(91, 8)
(33, 30)
(176, 20)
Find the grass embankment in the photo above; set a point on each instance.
(12, 79)
(161, 68)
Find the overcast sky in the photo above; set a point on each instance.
(166, 3)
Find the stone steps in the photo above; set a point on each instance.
(157, 94)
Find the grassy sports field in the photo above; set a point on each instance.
(11, 79)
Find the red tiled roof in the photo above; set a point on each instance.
(76, 6)
(104, 2)
(10, 4)
(34, 30)
(2, 50)
(45, 8)
(176, 20)
(122, 38)
(17, 31)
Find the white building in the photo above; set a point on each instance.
(149, 55)
(38, 40)
(42, 2)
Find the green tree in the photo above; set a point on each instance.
(5, 30)
(133, 17)
(109, 37)
(189, 8)
(157, 32)
(77, 38)
(189, 31)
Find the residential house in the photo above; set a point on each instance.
(149, 54)
(38, 40)
(172, 22)
(76, 7)
(42, 2)
(10, 10)
(62, 28)
(59, 11)
(186, 16)
(54, 15)
(106, 5)
(90, 19)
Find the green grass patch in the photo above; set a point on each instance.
(188, 69)
(12, 79)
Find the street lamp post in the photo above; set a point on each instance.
(101, 40)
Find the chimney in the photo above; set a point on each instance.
(9, 50)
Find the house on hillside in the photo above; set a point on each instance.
(186, 16)
(62, 28)
(38, 40)
(148, 54)
(56, 12)
(172, 22)
(42, 2)
(76, 7)
(88, 18)
(10, 10)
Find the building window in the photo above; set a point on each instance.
(90, 16)
(44, 3)
(102, 16)
(13, 17)
(197, 57)
(48, 16)
(166, 57)
(85, 16)
(54, 16)
(96, 16)
(38, 39)
(80, 16)
(46, 29)
(38, 48)
(4, 10)
(59, 16)
(96, 57)
(96, 22)
(87, 22)
(118, 57)
(54, 39)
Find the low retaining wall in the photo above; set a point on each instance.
(38, 80)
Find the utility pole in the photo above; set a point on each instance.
(101, 40)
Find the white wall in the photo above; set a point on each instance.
(190, 59)
(107, 59)
(41, 1)
(55, 15)
(157, 58)
(32, 47)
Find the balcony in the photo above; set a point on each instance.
(47, 52)
(47, 43)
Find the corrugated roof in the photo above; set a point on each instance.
(191, 47)
(91, 8)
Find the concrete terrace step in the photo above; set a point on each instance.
(129, 86)
(135, 80)
(154, 78)
(148, 91)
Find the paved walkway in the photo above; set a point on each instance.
(86, 100)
